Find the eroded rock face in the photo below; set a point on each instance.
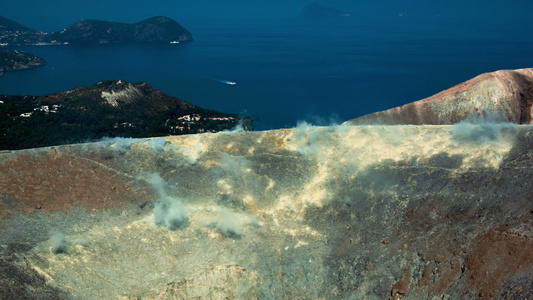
(498, 96)
(346, 212)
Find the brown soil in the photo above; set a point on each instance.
(58, 182)
(399, 289)
(500, 253)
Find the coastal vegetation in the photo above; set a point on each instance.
(18, 60)
(106, 109)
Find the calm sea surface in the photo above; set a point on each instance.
(286, 70)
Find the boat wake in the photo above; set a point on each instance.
(225, 81)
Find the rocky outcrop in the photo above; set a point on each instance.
(345, 212)
(498, 96)
(139, 99)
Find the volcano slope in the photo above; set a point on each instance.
(504, 96)
(342, 212)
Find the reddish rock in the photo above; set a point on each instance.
(399, 289)
(500, 253)
(505, 95)
(57, 183)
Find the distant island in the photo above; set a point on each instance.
(153, 30)
(317, 10)
(17, 60)
(12, 33)
(106, 109)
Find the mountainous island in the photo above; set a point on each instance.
(340, 212)
(85, 32)
(17, 60)
(153, 30)
(12, 33)
(107, 109)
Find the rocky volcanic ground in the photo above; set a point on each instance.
(342, 212)
(346, 212)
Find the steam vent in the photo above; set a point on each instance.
(341, 212)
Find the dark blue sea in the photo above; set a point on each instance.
(292, 68)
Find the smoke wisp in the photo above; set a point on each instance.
(59, 243)
(169, 211)
(230, 223)
(481, 132)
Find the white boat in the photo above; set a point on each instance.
(225, 81)
(175, 42)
